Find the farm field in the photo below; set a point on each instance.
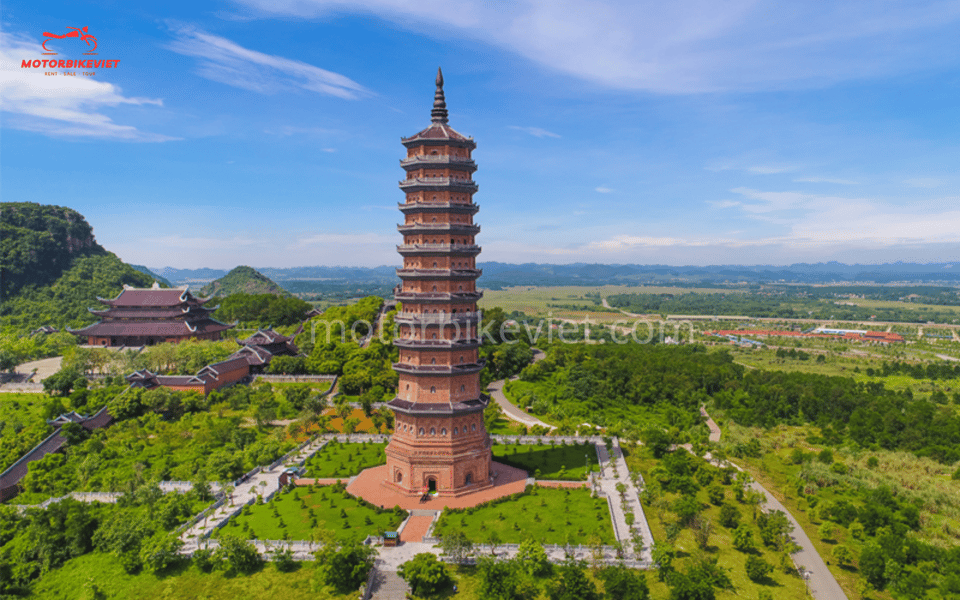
(536, 301)
(548, 515)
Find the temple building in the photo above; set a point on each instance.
(439, 443)
(146, 316)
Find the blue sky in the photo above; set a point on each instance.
(266, 132)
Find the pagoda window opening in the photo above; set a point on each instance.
(421, 431)
(443, 431)
(433, 389)
(433, 431)
(463, 388)
(433, 361)
(456, 431)
(474, 428)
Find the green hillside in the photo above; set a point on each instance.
(52, 268)
(242, 280)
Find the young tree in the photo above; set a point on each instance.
(621, 583)
(499, 580)
(426, 575)
(239, 555)
(729, 516)
(533, 558)
(345, 568)
(456, 546)
(571, 583)
(743, 538)
(757, 568)
(842, 555)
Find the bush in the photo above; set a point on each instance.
(757, 568)
(238, 555)
(729, 516)
(346, 568)
(426, 575)
(825, 456)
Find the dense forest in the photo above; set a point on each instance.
(53, 269)
(260, 310)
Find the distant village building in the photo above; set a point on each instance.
(440, 444)
(147, 316)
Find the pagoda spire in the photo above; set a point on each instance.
(439, 112)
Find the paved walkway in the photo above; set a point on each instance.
(387, 585)
(370, 486)
(265, 483)
(614, 471)
(711, 424)
(45, 367)
(416, 527)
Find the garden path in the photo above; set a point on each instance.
(612, 466)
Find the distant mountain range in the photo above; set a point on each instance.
(498, 275)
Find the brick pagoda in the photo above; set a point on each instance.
(439, 442)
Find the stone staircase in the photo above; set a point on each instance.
(387, 585)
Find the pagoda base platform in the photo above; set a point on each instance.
(372, 486)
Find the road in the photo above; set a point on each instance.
(511, 411)
(820, 581)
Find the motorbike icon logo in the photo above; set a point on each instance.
(75, 32)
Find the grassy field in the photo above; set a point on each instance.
(99, 575)
(567, 463)
(537, 301)
(550, 515)
(854, 363)
(304, 513)
(344, 460)
(783, 586)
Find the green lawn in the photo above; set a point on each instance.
(81, 577)
(558, 462)
(551, 515)
(288, 516)
(337, 459)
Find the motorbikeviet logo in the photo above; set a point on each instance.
(64, 42)
(75, 32)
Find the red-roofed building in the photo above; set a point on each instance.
(147, 316)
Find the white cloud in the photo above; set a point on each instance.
(687, 46)
(603, 190)
(227, 62)
(723, 203)
(535, 131)
(61, 106)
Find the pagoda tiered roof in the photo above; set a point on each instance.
(153, 314)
